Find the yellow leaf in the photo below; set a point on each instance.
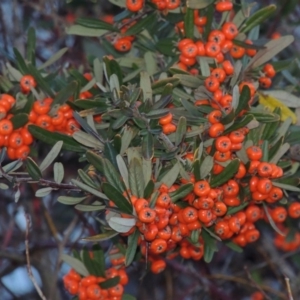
(271, 103)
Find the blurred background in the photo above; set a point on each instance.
(57, 228)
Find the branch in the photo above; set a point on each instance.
(14, 256)
(29, 270)
(256, 284)
(287, 281)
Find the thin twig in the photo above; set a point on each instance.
(255, 283)
(289, 290)
(66, 236)
(29, 270)
(246, 282)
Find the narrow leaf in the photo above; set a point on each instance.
(131, 247)
(148, 146)
(136, 177)
(33, 169)
(50, 157)
(76, 264)
(115, 196)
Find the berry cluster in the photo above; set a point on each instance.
(18, 140)
(226, 183)
(89, 287)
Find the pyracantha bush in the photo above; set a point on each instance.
(179, 145)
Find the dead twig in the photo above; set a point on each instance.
(29, 270)
(288, 286)
(248, 283)
(255, 283)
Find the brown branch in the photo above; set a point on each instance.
(255, 283)
(246, 282)
(289, 290)
(13, 256)
(29, 270)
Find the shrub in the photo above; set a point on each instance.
(182, 146)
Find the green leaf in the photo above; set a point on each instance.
(43, 192)
(161, 85)
(127, 296)
(265, 149)
(234, 246)
(150, 62)
(166, 46)
(12, 166)
(75, 264)
(145, 84)
(206, 166)
(258, 18)
(271, 221)
(110, 282)
(53, 137)
(132, 244)
(33, 169)
(264, 117)
(181, 192)
(100, 237)
(239, 124)
(110, 153)
(209, 246)
(58, 172)
(53, 58)
(226, 174)
(89, 263)
(99, 259)
(65, 93)
(48, 160)
(196, 169)
(204, 66)
(198, 4)
(157, 113)
(210, 15)
(28, 104)
(147, 146)
(233, 210)
(123, 169)
(120, 3)
(149, 189)
(70, 200)
(87, 140)
(85, 178)
(189, 23)
(170, 177)
(136, 177)
(142, 24)
(271, 49)
(244, 99)
(189, 80)
(269, 130)
(16, 74)
(89, 208)
(85, 31)
(118, 223)
(286, 186)
(41, 82)
(19, 120)
(89, 189)
(95, 23)
(22, 67)
(281, 151)
(180, 131)
(111, 174)
(31, 41)
(115, 196)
